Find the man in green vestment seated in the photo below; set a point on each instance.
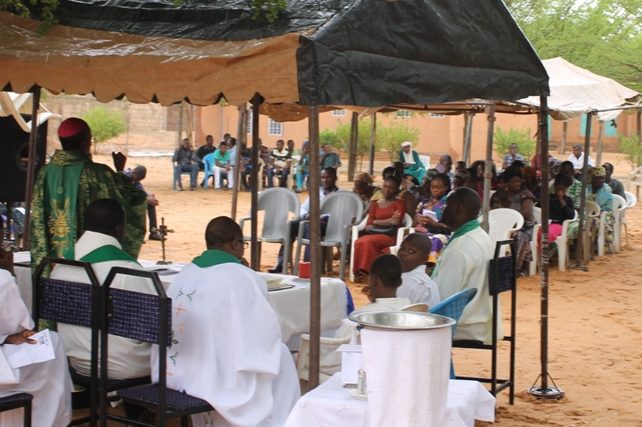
(411, 163)
(67, 185)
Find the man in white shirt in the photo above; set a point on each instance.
(464, 264)
(48, 382)
(577, 157)
(100, 245)
(416, 285)
(227, 345)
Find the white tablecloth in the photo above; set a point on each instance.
(292, 305)
(332, 405)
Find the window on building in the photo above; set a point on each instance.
(275, 128)
(437, 115)
(338, 113)
(404, 114)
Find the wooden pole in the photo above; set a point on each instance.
(488, 171)
(352, 148)
(468, 131)
(240, 138)
(315, 247)
(373, 141)
(600, 143)
(254, 260)
(564, 136)
(31, 167)
(579, 261)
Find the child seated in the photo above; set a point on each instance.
(416, 285)
(560, 206)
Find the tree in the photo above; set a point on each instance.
(631, 146)
(391, 137)
(520, 137)
(105, 124)
(604, 36)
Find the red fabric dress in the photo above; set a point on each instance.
(370, 246)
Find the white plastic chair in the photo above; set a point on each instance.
(343, 209)
(532, 267)
(278, 203)
(425, 160)
(329, 358)
(502, 222)
(635, 180)
(401, 234)
(631, 201)
(562, 243)
(619, 208)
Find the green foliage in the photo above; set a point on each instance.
(104, 123)
(604, 36)
(391, 137)
(267, 9)
(631, 147)
(42, 10)
(525, 145)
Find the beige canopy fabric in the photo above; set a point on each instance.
(146, 69)
(575, 91)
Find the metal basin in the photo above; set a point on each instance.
(402, 320)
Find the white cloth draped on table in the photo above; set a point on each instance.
(407, 376)
(48, 382)
(227, 347)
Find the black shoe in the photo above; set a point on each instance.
(276, 269)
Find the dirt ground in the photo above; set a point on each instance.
(595, 333)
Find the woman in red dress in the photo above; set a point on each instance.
(387, 213)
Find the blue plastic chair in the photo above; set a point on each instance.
(208, 168)
(453, 307)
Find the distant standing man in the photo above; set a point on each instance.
(185, 160)
(512, 156)
(577, 158)
(68, 184)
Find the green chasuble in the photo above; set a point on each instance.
(63, 190)
(212, 257)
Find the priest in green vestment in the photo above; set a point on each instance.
(68, 184)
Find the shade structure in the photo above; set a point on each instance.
(576, 91)
(324, 52)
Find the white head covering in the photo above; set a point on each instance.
(406, 144)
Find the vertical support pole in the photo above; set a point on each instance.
(564, 136)
(600, 143)
(373, 140)
(352, 148)
(468, 132)
(179, 127)
(240, 139)
(488, 171)
(579, 261)
(31, 166)
(256, 142)
(315, 247)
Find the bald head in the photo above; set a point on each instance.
(462, 205)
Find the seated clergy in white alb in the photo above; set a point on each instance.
(464, 264)
(48, 382)
(416, 285)
(100, 246)
(227, 346)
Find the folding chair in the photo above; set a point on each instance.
(501, 278)
(147, 318)
(15, 401)
(69, 302)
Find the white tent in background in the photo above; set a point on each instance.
(576, 91)
(11, 103)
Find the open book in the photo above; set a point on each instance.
(25, 354)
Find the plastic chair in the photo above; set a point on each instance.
(501, 278)
(401, 234)
(631, 201)
(15, 401)
(619, 208)
(502, 222)
(562, 242)
(343, 208)
(635, 180)
(532, 267)
(329, 358)
(418, 307)
(278, 203)
(146, 318)
(425, 160)
(208, 169)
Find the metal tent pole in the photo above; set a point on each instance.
(31, 166)
(241, 136)
(352, 148)
(373, 140)
(544, 390)
(600, 143)
(488, 170)
(468, 131)
(315, 247)
(579, 255)
(254, 260)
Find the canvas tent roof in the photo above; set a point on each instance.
(575, 91)
(330, 52)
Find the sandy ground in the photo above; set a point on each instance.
(595, 337)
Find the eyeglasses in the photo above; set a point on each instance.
(244, 243)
